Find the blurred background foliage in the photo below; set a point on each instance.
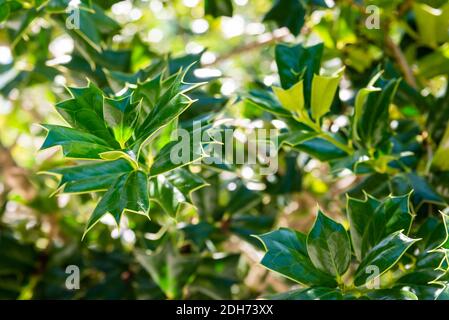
(208, 251)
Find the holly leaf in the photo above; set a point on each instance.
(391, 294)
(371, 220)
(384, 256)
(323, 92)
(328, 246)
(75, 143)
(84, 111)
(169, 101)
(432, 23)
(372, 113)
(92, 177)
(4, 10)
(121, 115)
(292, 98)
(128, 193)
(189, 148)
(298, 62)
(173, 189)
(287, 13)
(321, 149)
(286, 253)
(267, 101)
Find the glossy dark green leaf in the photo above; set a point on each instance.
(85, 111)
(419, 282)
(296, 62)
(328, 246)
(372, 220)
(75, 143)
(287, 13)
(373, 123)
(188, 149)
(443, 294)
(287, 254)
(174, 188)
(391, 294)
(267, 102)
(122, 115)
(129, 192)
(321, 149)
(198, 233)
(433, 233)
(383, 256)
(93, 23)
(168, 106)
(423, 192)
(92, 177)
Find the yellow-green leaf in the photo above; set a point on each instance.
(293, 98)
(323, 92)
(433, 23)
(441, 155)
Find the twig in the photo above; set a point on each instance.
(264, 39)
(398, 55)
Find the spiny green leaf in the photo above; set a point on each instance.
(372, 220)
(360, 101)
(128, 193)
(186, 150)
(169, 105)
(298, 62)
(92, 177)
(328, 246)
(172, 189)
(85, 111)
(391, 294)
(75, 143)
(372, 119)
(292, 98)
(383, 256)
(122, 114)
(287, 254)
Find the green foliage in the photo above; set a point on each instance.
(387, 260)
(121, 171)
(359, 114)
